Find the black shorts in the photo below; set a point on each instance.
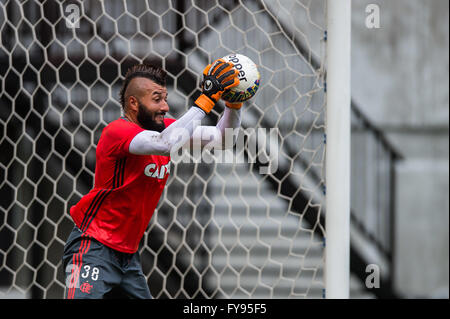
(95, 271)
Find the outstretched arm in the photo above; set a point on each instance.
(174, 136)
(214, 136)
(218, 77)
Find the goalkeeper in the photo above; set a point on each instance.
(132, 167)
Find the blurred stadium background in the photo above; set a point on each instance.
(225, 230)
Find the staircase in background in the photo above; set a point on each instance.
(259, 260)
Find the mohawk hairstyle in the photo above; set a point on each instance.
(149, 71)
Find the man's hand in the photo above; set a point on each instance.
(217, 77)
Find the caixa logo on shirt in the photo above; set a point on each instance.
(156, 171)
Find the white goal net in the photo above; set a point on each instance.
(221, 230)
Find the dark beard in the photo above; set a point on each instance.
(146, 119)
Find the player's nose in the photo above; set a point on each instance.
(164, 107)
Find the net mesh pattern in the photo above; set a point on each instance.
(221, 230)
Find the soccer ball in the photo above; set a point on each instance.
(248, 76)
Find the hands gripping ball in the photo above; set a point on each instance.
(249, 78)
(217, 78)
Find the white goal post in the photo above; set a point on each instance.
(263, 225)
(337, 265)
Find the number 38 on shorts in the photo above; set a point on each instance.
(88, 271)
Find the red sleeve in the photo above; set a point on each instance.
(117, 136)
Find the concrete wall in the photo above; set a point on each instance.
(400, 80)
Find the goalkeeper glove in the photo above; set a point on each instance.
(235, 106)
(217, 77)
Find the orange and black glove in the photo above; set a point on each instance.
(235, 106)
(217, 77)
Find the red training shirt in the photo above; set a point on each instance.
(126, 190)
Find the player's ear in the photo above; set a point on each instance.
(133, 104)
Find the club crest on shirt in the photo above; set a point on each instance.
(157, 171)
